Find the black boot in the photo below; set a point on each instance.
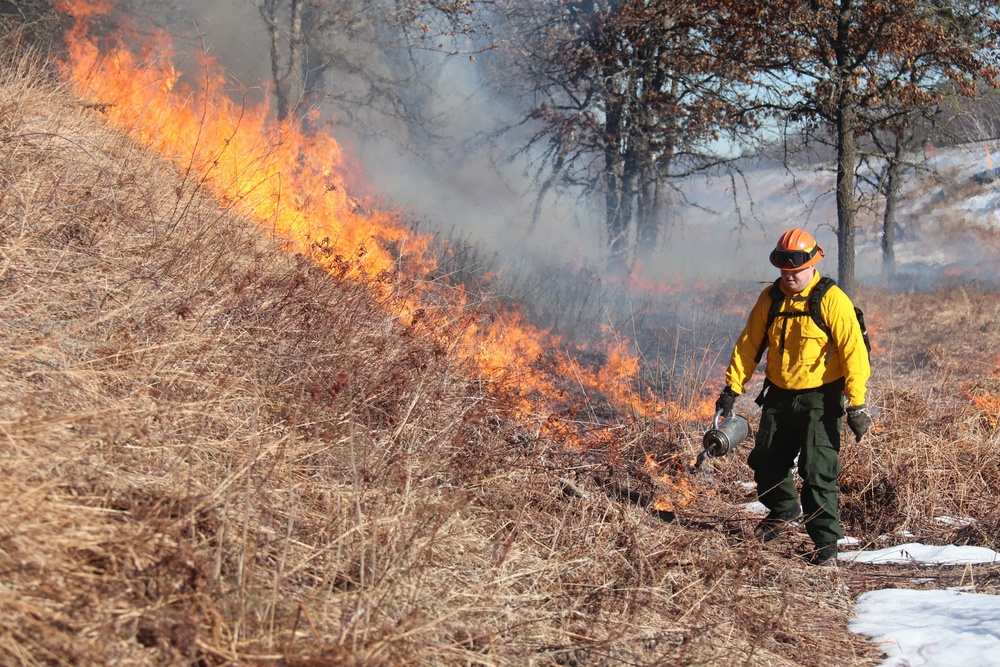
(825, 555)
(775, 522)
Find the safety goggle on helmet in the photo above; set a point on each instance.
(796, 249)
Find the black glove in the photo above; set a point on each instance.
(725, 402)
(859, 420)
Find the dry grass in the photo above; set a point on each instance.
(939, 394)
(214, 453)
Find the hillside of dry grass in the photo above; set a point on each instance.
(214, 453)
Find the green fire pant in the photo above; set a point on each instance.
(804, 423)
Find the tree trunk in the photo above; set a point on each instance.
(847, 157)
(847, 152)
(618, 212)
(286, 76)
(620, 183)
(651, 211)
(648, 215)
(889, 218)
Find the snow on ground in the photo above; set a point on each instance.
(930, 628)
(925, 628)
(922, 553)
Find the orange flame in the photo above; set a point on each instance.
(985, 396)
(876, 327)
(679, 489)
(639, 282)
(299, 186)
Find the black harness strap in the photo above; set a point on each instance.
(777, 301)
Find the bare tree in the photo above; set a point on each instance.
(374, 49)
(623, 96)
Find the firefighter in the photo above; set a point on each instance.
(812, 365)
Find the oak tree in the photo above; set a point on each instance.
(832, 66)
(623, 97)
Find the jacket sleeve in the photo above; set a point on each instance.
(850, 344)
(742, 363)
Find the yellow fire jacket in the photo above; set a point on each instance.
(810, 358)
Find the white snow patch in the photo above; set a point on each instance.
(923, 553)
(931, 628)
(960, 522)
(754, 508)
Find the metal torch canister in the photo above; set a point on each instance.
(725, 434)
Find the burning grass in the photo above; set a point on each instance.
(217, 452)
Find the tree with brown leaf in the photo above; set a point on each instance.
(833, 68)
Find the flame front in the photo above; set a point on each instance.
(680, 490)
(297, 186)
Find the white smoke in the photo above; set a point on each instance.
(462, 187)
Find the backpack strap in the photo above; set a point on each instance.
(823, 285)
(777, 299)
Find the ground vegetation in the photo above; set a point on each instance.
(214, 452)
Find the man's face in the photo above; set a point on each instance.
(796, 280)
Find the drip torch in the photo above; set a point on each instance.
(723, 437)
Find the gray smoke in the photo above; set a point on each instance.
(719, 228)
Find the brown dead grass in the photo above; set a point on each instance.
(213, 453)
(935, 448)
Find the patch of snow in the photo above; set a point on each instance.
(931, 628)
(960, 522)
(927, 554)
(754, 508)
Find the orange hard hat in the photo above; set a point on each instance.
(796, 249)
